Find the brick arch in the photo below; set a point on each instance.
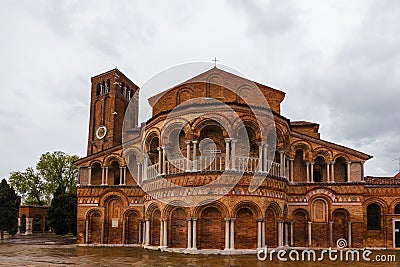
(176, 124)
(110, 193)
(323, 152)
(148, 137)
(375, 200)
(393, 205)
(253, 207)
(134, 210)
(171, 206)
(94, 162)
(92, 211)
(211, 227)
(318, 215)
(213, 119)
(274, 207)
(180, 92)
(301, 145)
(211, 203)
(325, 192)
(113, 157)
(247, 121)
(150, 209)
(132, 150)
(341, 155)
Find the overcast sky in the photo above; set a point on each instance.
(338, 61)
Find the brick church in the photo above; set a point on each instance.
(308, 192)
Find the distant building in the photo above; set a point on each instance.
(32, 219)
(312, 192)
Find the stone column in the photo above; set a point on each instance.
(260, 157)
(159, 160)
(161, 233)
(328, 176)
(120, 175)
(194, 167)
(291, 234)
(124, 180)
(194, 233)
(106, 180)
(280, 231)
(227, 220)
(227, 153)
(309, 234)
(233, 156)
(164, 161)
(259, 238)
(102, 175)
(189, 233)
(187, 155)
(140, 232)
(123, 231)
(147, 242)
(308, 171)
(286, 234)
(350, 244)
(232, 234)
(332, 171)
(102, 232)
(86, 231)
(29, 226)
(282, 161)
(265, 158)
(145, 163)
(330, 234)
(291, 166)
(165, 233)
(348, 171)
(263, 233)
(312, 171)
(90, 176)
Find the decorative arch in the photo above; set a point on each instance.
(301, 145)
(341, 155)
(150, 209)
(319, 209)
(212, 119)
(276, 208)
(183, 95)
(340, 218)
(253, 207)
(149, 136)
(111, 193)
(395, 206)
(113, 157)
(324, 192)
(323, 152)
(211, 203)
(132, 220)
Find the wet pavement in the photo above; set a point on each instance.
(51, 250)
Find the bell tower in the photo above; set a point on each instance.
(110, 95)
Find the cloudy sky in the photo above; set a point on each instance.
(338, 61)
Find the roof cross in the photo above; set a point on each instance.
(215, 61)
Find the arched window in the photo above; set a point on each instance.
(98, 90)
(397, 209)
(373, 217)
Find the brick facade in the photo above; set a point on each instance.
(311, 192)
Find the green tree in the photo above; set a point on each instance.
(62, 213)
(58, 170)
(9, 203)
(54, 170)
(31, 186)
